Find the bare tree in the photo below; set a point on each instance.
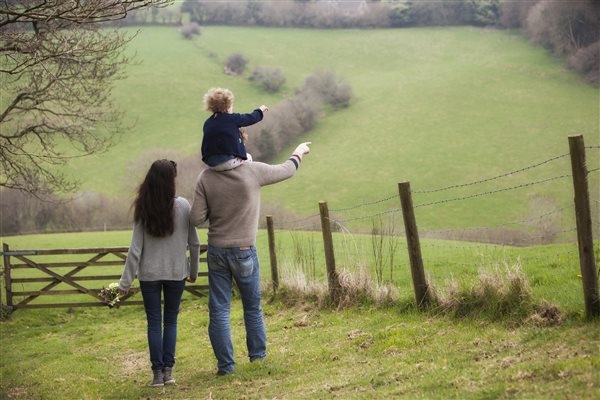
(57, 67)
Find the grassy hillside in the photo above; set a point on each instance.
(363, 352)
(433, 106)
(352, 354)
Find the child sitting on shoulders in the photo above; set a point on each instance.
(223, 146)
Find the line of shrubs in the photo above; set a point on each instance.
(297, 114)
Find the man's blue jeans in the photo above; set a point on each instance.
(162, 343)
(225, 264)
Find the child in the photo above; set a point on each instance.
(222, 144)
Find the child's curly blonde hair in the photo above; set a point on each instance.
(218, 100)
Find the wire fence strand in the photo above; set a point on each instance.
(532, 166)
(394, 196)
(492, 191)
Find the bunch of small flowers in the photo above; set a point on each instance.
(110, 295)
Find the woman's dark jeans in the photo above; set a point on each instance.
(162, 342)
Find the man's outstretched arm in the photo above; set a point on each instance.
(269, 174)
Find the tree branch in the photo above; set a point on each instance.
(58, 67)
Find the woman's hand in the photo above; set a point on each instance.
(123, 292)
(264, 108)
(190, 279)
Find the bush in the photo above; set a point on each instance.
(270, 79)
(287, 121)
(484, 12)
(297, 115)
(263, 145)
(400, 14)
(23, 214)
(437, 12)
(188, 168)
(514, 13)
(332, 90)
(587, 62)
(567, 28)
(235, 64)
(189, 30)
(564, 27)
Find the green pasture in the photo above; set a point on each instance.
(552, 270)
(362, 352)
(435, 106)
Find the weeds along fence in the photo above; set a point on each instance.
(388, 251)
(33, 278)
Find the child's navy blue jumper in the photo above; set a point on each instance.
(222, 140)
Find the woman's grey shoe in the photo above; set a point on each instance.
(157, 379)
(167, 378)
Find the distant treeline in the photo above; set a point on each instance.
(570, 29)
(91, 211)
(153, 16)
(343, 14)
(22, 213)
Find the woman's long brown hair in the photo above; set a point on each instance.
(156, 198)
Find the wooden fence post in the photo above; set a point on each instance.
(584, 227)
(414, 246)
(272, 253)
(332, 276)
(7, 280)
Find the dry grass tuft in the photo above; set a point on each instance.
(546, 315)
(501, 293)
(357, 288)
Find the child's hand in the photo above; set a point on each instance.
(263, 108)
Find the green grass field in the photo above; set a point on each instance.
(552, 270)
(436, 106)
(433, 106)
(359, 353)
(363, 352)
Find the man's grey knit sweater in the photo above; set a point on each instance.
(153, 258)
(230, 200)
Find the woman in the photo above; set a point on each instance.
(157, 256)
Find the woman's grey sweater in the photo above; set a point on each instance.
(152, 258)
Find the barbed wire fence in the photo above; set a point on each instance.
(368, 234)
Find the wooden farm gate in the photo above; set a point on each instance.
(31, 274)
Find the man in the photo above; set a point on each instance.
(230, 201)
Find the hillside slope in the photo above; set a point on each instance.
(433, 106)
